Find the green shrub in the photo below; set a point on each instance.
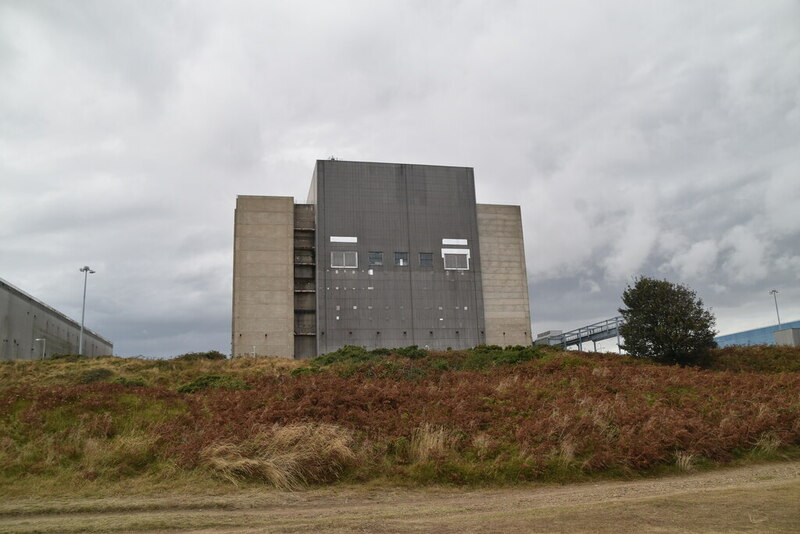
(351, 360)
(488, 356)
(213, 381)
(130, 381)
(412, 352)
(194, 356)
(440, 364)
(67, 357)
(90, 376)
(348, 353)
(304, 371)
(488, 349)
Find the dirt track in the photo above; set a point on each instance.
(763, 498)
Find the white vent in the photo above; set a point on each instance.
(456, 259)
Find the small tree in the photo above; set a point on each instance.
(666, 322)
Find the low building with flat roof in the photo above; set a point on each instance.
(757, 336)
(30, 329)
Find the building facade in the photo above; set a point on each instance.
(767, 335)
(30, 329)
(380, 255)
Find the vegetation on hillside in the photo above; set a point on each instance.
(489, 415)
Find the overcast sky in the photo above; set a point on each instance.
(640, 138)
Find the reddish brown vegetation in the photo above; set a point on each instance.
(612, 415)
(581, 413)
(759, 358)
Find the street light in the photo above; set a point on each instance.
(774, 294)
(86, 272)
(44, 344)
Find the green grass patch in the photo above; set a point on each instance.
(130, 382)
(213, 382)
(98, 374)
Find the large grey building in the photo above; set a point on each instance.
(380, 255)
(30, 329)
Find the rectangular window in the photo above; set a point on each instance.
(426, 259)
(401, 258)
(344, 259)
(458, 262)
(376, 258)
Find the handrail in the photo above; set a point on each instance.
(594, 332)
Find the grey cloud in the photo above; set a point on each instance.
(639, 138)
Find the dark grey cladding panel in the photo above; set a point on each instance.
(396, 208)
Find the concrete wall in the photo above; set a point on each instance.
(263, 276)
(23, 319)
(505, 280)
(392, 208)
(789, 337)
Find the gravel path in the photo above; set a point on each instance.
(759, 498)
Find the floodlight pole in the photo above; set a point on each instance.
(44, 344)
(774, 294)
(86, 270)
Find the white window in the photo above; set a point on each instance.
(344, 259)
(456, 259)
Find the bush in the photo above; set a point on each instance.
(129, 381)
(213, 382)
(194, 356)
(348, 353)
(411, 363)
(90, 376)
(488, 356)
(67, 357)
(412, 352)
(666, 322)
(304, 371)
(351, 359)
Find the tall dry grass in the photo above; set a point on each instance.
(685, 461)
(287, 457)
(427, 442)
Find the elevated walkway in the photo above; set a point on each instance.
(595, 332)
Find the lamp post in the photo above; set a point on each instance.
(774, 294)
(44, 344)
(86, 272)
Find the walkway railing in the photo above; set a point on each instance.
(594, 332)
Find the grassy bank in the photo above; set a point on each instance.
(408, 416)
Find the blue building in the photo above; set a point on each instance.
(758, 336)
